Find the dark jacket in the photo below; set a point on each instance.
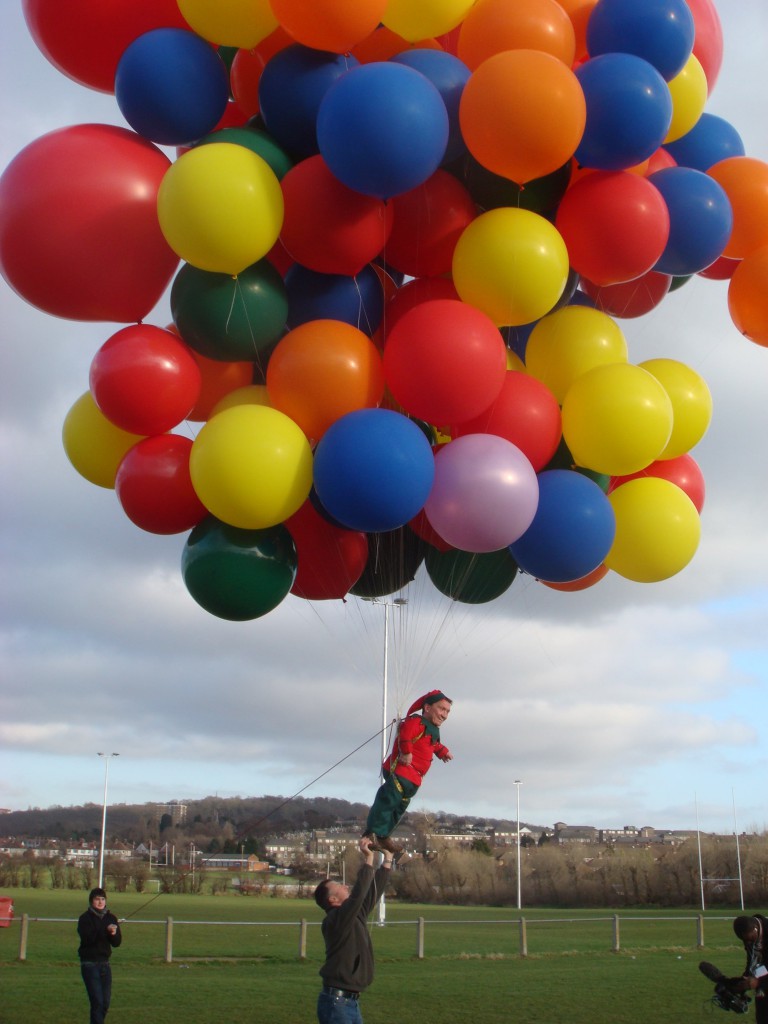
(757, 955)
(348, 947)
(96, 943)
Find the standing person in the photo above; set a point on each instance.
(348, 967)
(416, 743)
(99, 933)
(753, 932)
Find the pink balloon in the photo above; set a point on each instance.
(485, 493)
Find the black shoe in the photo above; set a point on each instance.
(388, 844)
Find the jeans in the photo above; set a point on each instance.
(338, 1010)
(98, 982)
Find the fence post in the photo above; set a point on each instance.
(523, 937)
(700, 931)
(420, 938)
(168, 940)
(616, 934)
(303, 939)
(23, 937)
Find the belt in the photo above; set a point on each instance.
(343, 992)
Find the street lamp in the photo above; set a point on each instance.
(107, 758)
(518, 784)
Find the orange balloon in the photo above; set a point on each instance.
(522, 114)
(334, 25)
(583, 584)
(748, 296)
(384, 43)
(219, 378)
(322, 370)
(745, 181)
(579, 11)
(492, 26)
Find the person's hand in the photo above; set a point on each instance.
(365, 844)
(388, 858)
(446, 756)
(112, 929)
(405, 758)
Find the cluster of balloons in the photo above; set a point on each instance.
(407, 232)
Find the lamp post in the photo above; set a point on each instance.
(107, 759)
(518, 784)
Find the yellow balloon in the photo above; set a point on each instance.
(251, 394)
(220, 207)
(425, 19)
(571, 341)
(657, 530)
(512, 264)
(688, 90)
(617, 419)
(514, 362)
(251, 467)
(691, 404)
(94, 445)
(240, 23)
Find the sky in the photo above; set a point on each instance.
(625, 704)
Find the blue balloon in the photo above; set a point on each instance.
(171, 86)
(629, 111)
(382, 129)
(711, 140)
(572, 531)
(358, 300)
(291, 89)
(659, 31)
(373, 470)
(700, 220)
(449, 75)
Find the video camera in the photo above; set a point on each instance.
(727, 995)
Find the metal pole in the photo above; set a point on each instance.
(698, 842)
(382, 914)
(107, 758)
(518, 783)
(738, 852)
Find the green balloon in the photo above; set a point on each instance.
(258, 141)
(471, 578)
(489, 190)
(238, 574)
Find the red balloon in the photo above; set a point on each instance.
(145, 380)
(426, 225)
(247, 67)
(525, 413)
(422, 527)
(631, 298)
(154, 487)
(328, 227)
(683, 471)
(708, 40)
(330, 558)
(659, 160)
(79, 235)
(85, 39)
(413, 293)
(615, 225)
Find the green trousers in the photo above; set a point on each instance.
(389, 805)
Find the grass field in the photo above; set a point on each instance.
(472, 971)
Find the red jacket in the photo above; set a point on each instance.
(413, 738)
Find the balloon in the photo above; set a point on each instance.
(220, 207)
(328, 227)
(230, 318)
(144, 379)
(659, 31)
(485, 493)
(218, 379)
(358, 300)
(579, 11)
(248, 67)
(708, 44)
(251, 466)
(93, 445)
(571, 586)
(632, 298)
(383, 44)
(422, 527)
(251, 394)
(85, 244)
(240, 23)
(745, 182)
(291, 88)
(489, 190)
(617, 419)
(710, 140)
(154, 487)
(565, 344)
(393, 560)
(700, 220)
(691, 403)
(444, 361)
(493, 26)
(382, 129)
(84, 39)
(171, 86)
(572, 531)
(522, 114)
(511, 264)
(688, 91)
(322, 370)
(258, 142)
(413, 293)
(721, 270)
(747, 296)
(629, 111)
(330, 559)
(657, 530)
(449, 75)
(335, 25)
(238, 574)
(615, 225)
(471, 578)
(373, 470)
(525, 413)
(426, 19)
(683, 471)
